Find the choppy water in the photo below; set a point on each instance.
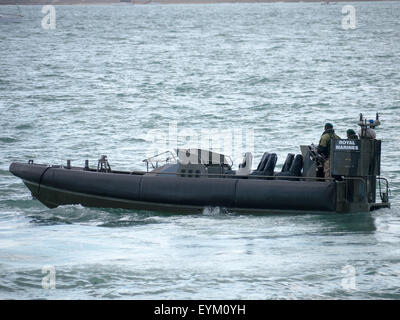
(109, 75)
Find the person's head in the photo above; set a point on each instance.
(350, 132)
(328, 126)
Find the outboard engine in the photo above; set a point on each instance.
(245, 166)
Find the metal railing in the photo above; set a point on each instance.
(152, 159)
(385, 195)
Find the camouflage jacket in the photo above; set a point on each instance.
(325, 142)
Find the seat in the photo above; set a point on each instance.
(293, 171)
(263, 161)
(288, 162)
(260, 168)
(270, 165)
(245, 166)
(296, 166)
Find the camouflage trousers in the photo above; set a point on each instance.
(327, 169)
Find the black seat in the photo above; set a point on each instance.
(288, 162)
(263, 162)
(296, 166)
(260, 168)
(294, 171)
(270, 165)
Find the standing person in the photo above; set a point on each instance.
(324, 146)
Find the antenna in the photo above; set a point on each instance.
(368, 124)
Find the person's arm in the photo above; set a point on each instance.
(323, 144)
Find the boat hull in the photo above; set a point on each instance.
(55, 186)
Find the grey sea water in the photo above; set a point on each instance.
(109, 75)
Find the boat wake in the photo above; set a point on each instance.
(214, 211)
(77, 214)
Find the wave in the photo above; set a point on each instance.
(8, 139)
(77, 214)
(24, 126)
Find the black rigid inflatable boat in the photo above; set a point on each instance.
(195, 179)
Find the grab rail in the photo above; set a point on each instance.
(384, 196)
